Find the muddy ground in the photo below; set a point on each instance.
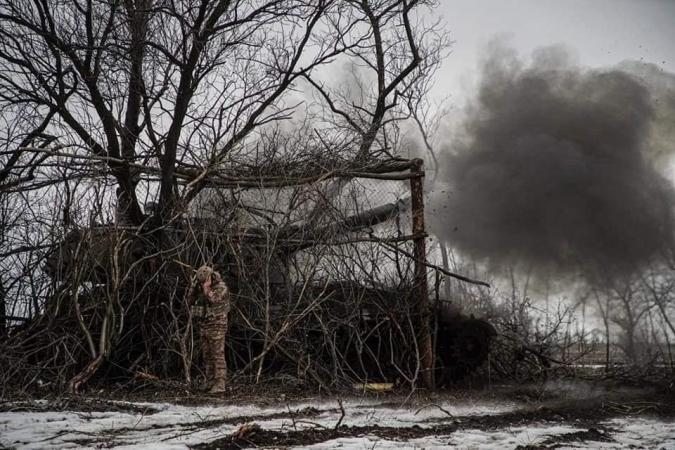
(560, 414)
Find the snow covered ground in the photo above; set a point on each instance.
(646, 434)
(169, 426)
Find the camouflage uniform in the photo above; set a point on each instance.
(214, 326)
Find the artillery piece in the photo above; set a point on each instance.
(370, 341)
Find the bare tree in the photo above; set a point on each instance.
(175, 90)
(136, 101)
(660, 288)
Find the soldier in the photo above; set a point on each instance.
(216, 297)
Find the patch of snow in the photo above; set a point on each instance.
(171, 424)
(423, 416)
(463, 439)
(176, 426)
(374, 442)
(630, 433)
(510, 437)
(641, 432)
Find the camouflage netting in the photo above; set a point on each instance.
(323, 292)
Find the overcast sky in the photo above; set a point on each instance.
(599, 32)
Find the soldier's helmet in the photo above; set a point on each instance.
(203, 273)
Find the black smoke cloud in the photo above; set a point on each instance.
(551, 169)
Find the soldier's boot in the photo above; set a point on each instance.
(218, 386)
(219, 372)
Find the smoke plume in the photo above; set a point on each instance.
(552, 167)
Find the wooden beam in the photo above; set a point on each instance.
(425, 342)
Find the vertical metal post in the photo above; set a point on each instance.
(424, 338)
